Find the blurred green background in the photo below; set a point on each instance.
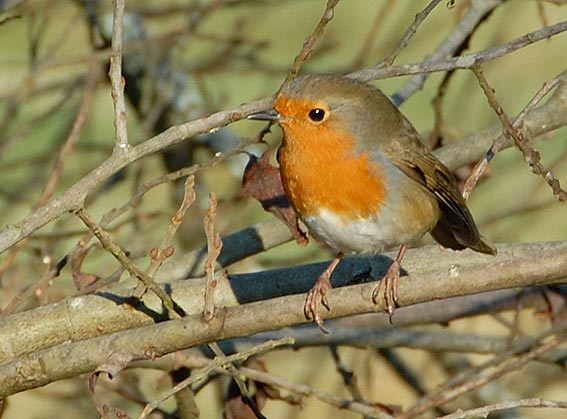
(233, 52)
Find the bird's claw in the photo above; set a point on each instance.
(310, 310)
(390, 281)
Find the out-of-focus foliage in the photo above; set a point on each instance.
(189, 58)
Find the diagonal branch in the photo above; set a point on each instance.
(463, 61)
(309, 42)
(513, 131)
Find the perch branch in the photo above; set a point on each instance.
(439, 277)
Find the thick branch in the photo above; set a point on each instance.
(432, 275)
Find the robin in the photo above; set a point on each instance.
(356, 173)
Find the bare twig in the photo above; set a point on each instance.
(504, 365)
(554, 113)
(116, 80)
(165, 249)
(214, 246)
(513, 131)
(125, 261)
(238, 379)
(170, 177)
(375, 28)
(461, 62)
(82, 115)
(410, 32)
(214, 365)
(484, 411)
(498, 144)
(308, 391)
(349, 379)
(73, 197)
(37, 289)
(475, 14)
(309, 42)
(436, 135)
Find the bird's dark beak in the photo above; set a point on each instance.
(269, 115)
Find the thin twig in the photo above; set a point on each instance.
(513, 131)
(484, 411)
(436, 135)
(461, 62)
(171, 177)
(410, 32)
(309, 42)
(165, 249)
(82, 115)
(125, 261)
(238, 379)
(116, 80)
(484, 375)
(308, 391)
(135, 200)
(498, 144)
(475, 15)
(349, 379)
(74, 195)
(213, 366)
(214, 246)
(373, 33)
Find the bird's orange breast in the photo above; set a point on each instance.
(321, 170)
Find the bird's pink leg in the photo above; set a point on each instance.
(390, 281)
(319, 291)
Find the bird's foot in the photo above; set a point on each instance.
(390, 281)
(318, 292)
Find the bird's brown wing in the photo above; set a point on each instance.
(456, 227)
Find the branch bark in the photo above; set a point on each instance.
(33, 357)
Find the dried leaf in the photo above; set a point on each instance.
(116, 362)
(556, 309)
(236, 407)
(390, 409)
(262, 181)
(81, 279)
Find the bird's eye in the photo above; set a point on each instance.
(316, 115)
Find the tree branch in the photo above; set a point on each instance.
(432, 275)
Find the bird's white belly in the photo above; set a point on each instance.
(360, 236)
(390, 228)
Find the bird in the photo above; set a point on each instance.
(357, 174)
